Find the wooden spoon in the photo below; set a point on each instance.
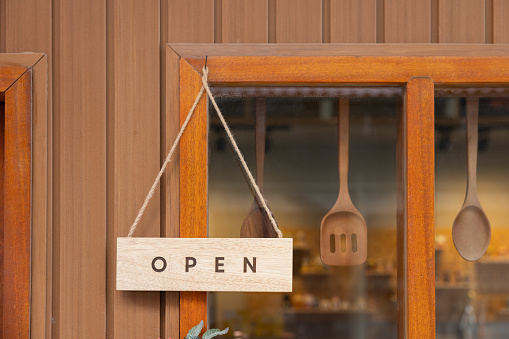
(471, 231)
(343, 233)
(257, 224)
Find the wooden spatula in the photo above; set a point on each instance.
(343, 233)
(257, 224)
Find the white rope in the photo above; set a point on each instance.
(205, 87)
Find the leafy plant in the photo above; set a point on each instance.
(211, 333)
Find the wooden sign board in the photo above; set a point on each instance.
(205, 264)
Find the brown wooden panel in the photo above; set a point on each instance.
(17, 208)
(347, 69)
(419, 162)
(41, 288)
(190, 21)
(3, 29)
(79, 102)
(28, 26)
(298, 21)
(407, 21)
(353, 21)
(244, 21)
(200, 50)
(2, 176)
(500, 22)
(181, 21)
(9, 76)
(193, 186)
(461, 21)
(133, 143)
(170, 120)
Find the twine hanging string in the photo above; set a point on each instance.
(205, 87)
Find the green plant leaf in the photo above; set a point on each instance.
(214, 332)
(193, 333)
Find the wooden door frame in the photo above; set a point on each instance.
(26, 200)
(418, 68)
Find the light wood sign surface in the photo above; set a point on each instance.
(205, 264)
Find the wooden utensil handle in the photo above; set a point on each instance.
(472, 112)
(343, 139)
(260, 131)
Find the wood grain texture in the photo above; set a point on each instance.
(133, 153)
(41, 288)
(419, 208)
(190, 21)
(204, 264)
(170, 209)
(298, 21)
(461, 21)
(190, 51)
(193, 185)
(386, 70)
(3, 27)
(2, 178)
(79, 219)
(407, 21)
(28, 26)
(41, 203)
(182, 21)
(17, 208)
(244, 21)
(10, 75)
(352, 21)
(500, 22)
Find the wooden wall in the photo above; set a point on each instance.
(106, 94)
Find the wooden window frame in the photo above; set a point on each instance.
(26, 198)
(418, 68)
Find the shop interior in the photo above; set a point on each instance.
(301, 185)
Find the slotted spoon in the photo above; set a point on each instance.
(343, 233)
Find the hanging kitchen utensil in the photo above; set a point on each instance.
(343, 233)
(471, 231)
(257, 224)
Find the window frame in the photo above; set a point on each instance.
(418, 68)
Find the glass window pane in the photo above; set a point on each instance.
(472, 297)
(301, 185)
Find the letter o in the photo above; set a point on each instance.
(154, 264)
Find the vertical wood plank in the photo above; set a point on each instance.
(41, 288)
(298, 21)
(352, 21)
(133, 141)
(79, 103)
(190, 21)
(488, 22)
(407, 21)
(419, 162)
(244, 21)
(17, 208)
(181, 21)
(271, 21)
(3, 27)
(170, 199)
(193, 186)
(461, 21)
(2, 176)
(29, 27)
(500, 22)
